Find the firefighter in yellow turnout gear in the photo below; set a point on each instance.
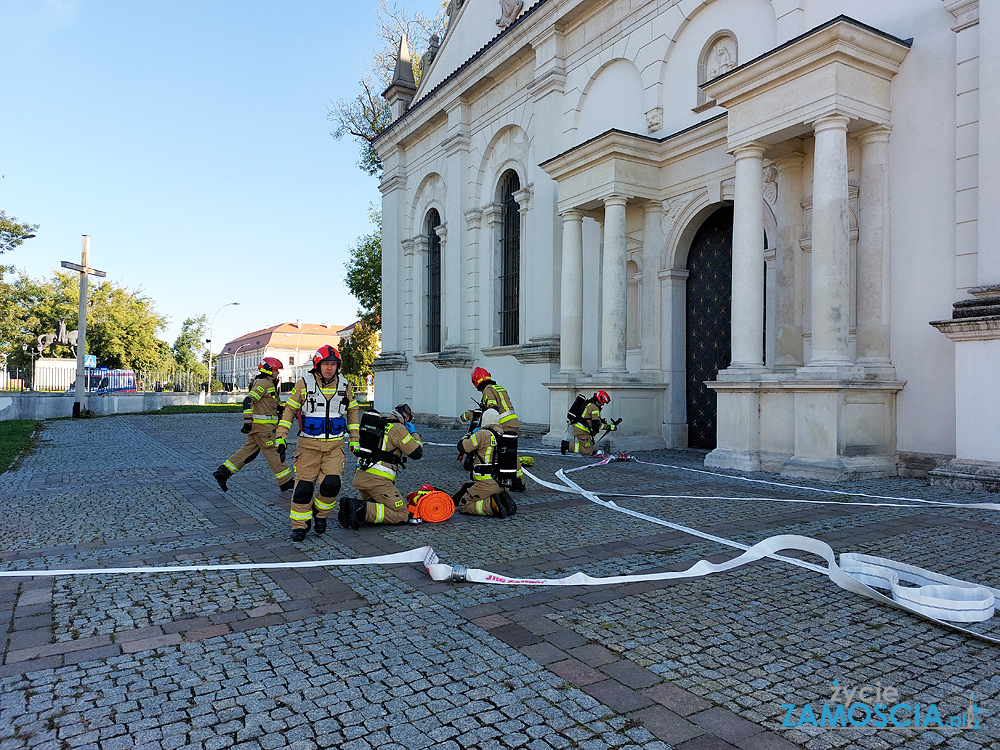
(328, 414)
(484, 496)
(496, 397)
(260, 418)
(375, 478)
(585, 421)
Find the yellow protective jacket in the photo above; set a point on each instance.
(483, 444)
(262, 406)
(496, 397)
(330, 399)
(398, 439)
(590, 421)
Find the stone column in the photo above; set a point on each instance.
(873, 250)
(613, 288)
(831, 261)
(652, 247)
(788, 257)
(748, 259)
(571, 295)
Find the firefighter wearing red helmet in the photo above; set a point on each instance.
(261, 409)
(496, 397)
(327, 415)
(585, 421)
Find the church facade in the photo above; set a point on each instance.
(767, 227)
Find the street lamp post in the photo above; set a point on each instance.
(234, 361)
(211, 332)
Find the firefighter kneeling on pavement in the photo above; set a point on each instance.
(383, 447)
(495, 396)
(260, 417)
(494, 455)
(327, 412)
(585, 421)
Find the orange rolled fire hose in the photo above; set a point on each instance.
(433, 506)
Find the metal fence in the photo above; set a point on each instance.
(102, 380)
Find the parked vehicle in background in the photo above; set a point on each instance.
(102, 380)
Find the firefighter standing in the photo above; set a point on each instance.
(496, 397)
(328, 413)
(260, 417)
(375, 478)
(484, 496)
(587, 424)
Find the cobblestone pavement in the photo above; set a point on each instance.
(383, 657)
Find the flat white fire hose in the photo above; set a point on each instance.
(932, 596)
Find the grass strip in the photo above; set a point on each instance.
(16, 441)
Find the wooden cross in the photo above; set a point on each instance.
(81, 341)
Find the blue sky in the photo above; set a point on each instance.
(189, 139)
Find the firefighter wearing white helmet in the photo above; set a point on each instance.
(260, 417)
(495, 396)
(327, 415)
(386, 443)
(484, 496)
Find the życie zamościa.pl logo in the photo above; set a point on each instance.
(876, 706)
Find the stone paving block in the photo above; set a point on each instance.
(592, 654)
(677, 699)
(705, 742)
(616, 696)
(725, 724)
(565, 639)
(544, 653)
(514, 635)
(769, 741)
(576, 672)
(146, 644)
(667, 726)
(630, 674)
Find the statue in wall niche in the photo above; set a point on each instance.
(509, 11)
(721, 60)
(770, 184)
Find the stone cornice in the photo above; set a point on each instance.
(389, 361)
(966, 13)
(986, 328)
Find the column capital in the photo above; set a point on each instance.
(749, 150)
(571, 214)
(652, 207)
(831, 121)
(793, 160)
(876, 134)
(614, 200)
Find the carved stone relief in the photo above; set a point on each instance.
(771, 184)
(671, 210)
(722, 58)
(654, 119)
(509, 11)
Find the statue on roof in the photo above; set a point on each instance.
(509, 11)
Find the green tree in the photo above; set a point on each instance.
(188, 348)
(14, 232)
(364, 272)
(359, 352)
(121, 324)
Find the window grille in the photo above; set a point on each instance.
(433, 326)
(510, 260)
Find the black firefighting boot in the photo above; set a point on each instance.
(517, 485)
(286, 486)
(222, 475)
(358, 511)
(461, 491)
(320, 525)
(508, 502)
(498, 507)
(343, 511)
(299, 535)
(564, 446)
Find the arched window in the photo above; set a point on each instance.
(632, 279)
(432, 329)
(510, 259)
(718, 56)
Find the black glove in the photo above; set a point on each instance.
(461, 450)
(246, 428)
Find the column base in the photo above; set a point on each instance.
(728, 458)
(839, 469)
(967, 475)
